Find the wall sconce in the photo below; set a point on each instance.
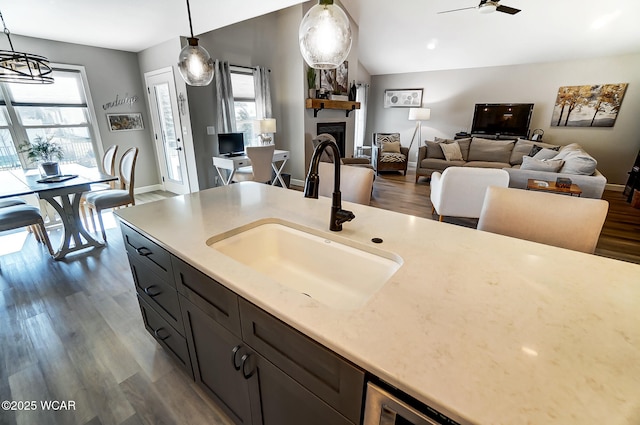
(264, 127)
(325, 36)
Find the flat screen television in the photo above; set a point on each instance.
(230, 143)
(502, 119)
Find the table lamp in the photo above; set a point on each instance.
(418, 115)
(264, 127)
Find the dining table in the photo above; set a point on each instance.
(63, 192)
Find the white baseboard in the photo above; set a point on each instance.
(615, 187)
(297, 182)
(146, 189)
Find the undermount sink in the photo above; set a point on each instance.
(338, 275)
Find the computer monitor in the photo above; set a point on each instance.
(230, 143)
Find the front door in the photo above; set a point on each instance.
(163, 104)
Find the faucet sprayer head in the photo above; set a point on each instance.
(311, 185)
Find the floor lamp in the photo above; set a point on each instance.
(418, 115)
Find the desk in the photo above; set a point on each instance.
(24, 182)
(232, 163)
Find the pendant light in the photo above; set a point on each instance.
(194, 63)
(325, 36)
(26, 68)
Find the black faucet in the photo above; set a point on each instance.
(338, 215)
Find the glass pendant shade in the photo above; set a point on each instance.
(195, 64)
(325, 36)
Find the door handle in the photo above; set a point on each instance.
(178, 148)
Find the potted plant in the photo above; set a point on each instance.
(45, 152)
(311, 82)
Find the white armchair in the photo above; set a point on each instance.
(460, 191)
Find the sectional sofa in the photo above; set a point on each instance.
(522, 159)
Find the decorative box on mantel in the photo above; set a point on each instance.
(320, 104)
(341, 97)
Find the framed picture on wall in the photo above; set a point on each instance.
(328, 80)
(403, 98)
(125, 122)
(342, 78)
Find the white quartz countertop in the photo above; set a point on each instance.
(485, 328)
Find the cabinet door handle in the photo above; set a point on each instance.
(387, 416)
(234, 354)
(156, 332)
(151, 293)
(244, 362)
(144, 251)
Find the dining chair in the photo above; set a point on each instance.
(23, 215)
(356, 183)
(114, 198)
(108, 167)
(549, 218)
(260, 169)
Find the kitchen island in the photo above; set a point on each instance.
(487, 329)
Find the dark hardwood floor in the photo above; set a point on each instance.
(72, 331)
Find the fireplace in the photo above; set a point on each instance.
(337, 130)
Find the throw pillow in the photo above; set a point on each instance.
(537, 148)
(579, 162)
(463, 143)
(391, 147)
(434, 151)
(523, 147)
(552, 165)
(490, 150)
(451, 151)
(545, 153)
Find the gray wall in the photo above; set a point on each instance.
(109, 73)
(451, 95)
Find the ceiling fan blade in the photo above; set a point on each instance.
(456, 10)
(507, 9)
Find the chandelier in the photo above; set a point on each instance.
(26, 68)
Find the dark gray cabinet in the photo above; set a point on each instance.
(259, 370)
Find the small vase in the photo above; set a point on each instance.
(49, 169)
(352, 92)
(312, 93)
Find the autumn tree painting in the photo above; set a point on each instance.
(588, 105)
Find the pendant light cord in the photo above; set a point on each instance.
(6, 30)
(188, 12)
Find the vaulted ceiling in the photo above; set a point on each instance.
(394, 36)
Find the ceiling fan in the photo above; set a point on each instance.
(488, 6)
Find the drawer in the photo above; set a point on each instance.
(242, 163)
(325, 374)
(149, 253)
(211, 297)
(160, 295)
(166, 335)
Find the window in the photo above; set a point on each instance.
(57, 111)
(244, 100)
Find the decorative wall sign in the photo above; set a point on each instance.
(126, 100)
(403, 98)
(588, 106)
(125, 122)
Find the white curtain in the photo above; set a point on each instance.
(362, 96)
(224, 98)
(263, 92)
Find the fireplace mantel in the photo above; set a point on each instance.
(320, 104)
